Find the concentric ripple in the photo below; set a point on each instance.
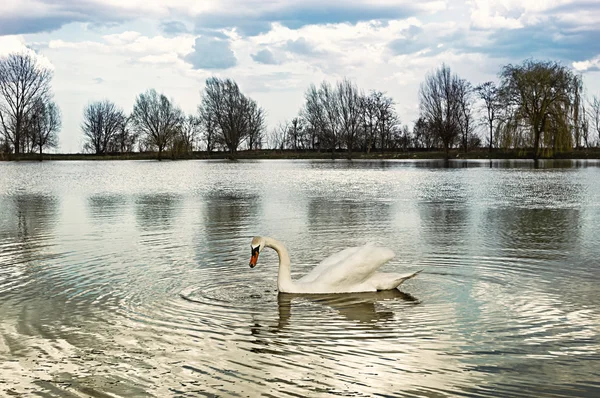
(131, 279)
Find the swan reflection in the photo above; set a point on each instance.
(354, 307)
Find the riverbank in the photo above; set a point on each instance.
(588, 153)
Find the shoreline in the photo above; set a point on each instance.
(267, 154)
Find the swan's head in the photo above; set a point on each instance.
(258, 243)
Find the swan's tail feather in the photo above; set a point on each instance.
(387, 281)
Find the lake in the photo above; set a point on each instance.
(131, 278)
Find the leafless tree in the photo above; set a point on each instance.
(313, 115)
(256, 125)
(277, 136)
(156, 119)
(350, 112)
(189, 132)
(594, 115)
(23, 83)
(466, 102)
(45, 121)
(488, 92)
(423, 136)
(387, 120)
(369, 119)
(295, 134)
(125, 139)
(439, 102)
(208, 126)
(102, 121)
(235, 115)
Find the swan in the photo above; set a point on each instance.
(351, 270)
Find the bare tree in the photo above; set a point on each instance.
(350, 111)
(541, 92)
(23, 83)
(369, 118)
(439, 102)
(189, 132)
(488, 92)
(314, 116)
(125, 139)
(594, 115)
(465, 99)
(387, 120)
(235, 116)
(277, 136)
(156, 119)
(256, 125)
(331, 112)
(46, 123)
(423, 136)
(102, 121)
(295, 134)
(208, 126)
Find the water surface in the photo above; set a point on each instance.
(132, 279)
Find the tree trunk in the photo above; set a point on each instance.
(491, 135)
(536, 142)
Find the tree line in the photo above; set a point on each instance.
(536, 106)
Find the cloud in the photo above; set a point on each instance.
(173, 28)
(591, 65)
(211, 53)
(301, 46)
(428, 40)
(264, 57)
(542, 41)
(252, 21)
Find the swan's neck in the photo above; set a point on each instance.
(284, 277)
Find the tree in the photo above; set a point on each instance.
(422, 135)
(314, 116)
(594, 114)
(46, 123)
(350, 112)
(23, 83)
(208, 127)
(488, 92)
(156, 119)
(277, 137)
(295, 134)
(102, 121)
(387, 119)
(439, 102)
(465, 99)
(369, 118)
(125, 139)
(235, 116)
(256, 125)
(540, 90)
(331, 112)
(189, 132)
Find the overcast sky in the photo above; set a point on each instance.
(274, 49)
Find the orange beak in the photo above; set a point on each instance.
(254, 258)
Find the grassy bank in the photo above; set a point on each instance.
(593, 153)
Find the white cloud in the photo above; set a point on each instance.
(11, 44)
(588, 65)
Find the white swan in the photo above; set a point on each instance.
(351, 270)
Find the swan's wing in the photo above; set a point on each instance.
(328, 262)
(352, 268)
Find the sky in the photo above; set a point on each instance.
(274, 49)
